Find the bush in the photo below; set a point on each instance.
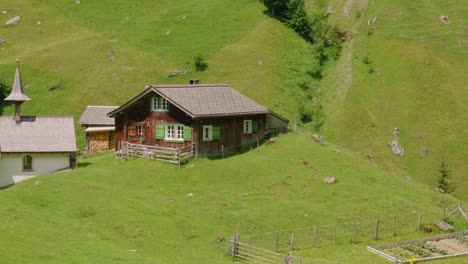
(4, 91)
(200, 64)
(443, 182)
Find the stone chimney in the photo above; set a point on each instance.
(17, 96)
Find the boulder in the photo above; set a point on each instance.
(397, 149)
(317, 138)
(13, 20)
(424, 152)
(330, 180)
(444, 226)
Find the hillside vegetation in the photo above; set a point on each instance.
(405, 70)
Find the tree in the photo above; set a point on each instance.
(444, 175)
(277, 8)
(297, 19)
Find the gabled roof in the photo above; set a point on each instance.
(202, 100)
(97, 115)
(37, 134)
(17, 93)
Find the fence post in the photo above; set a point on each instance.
(394, 225)
(377, 229)
(419, 221)
(235, 246)
(355, 231)
(277, 241)
(222, 151)
(292, 242)
(314, 241)
(126, 150)
(334, 234)
(178, 157)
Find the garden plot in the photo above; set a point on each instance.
(426, 249)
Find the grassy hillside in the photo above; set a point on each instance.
(104, 52)
(139, 212)
(417, 84)
(70, 50)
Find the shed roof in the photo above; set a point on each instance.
(97, 115)
(202, 100)
(37, 134)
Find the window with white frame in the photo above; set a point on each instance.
(207, 133)
(247, 126)
(139, 130)
(180, 132)
(169, 132)
(159, 104)
(174, 132)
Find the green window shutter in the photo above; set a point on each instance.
(152, 104)
(216, 133)
(187, 133)
(160, 132)
(254, 126)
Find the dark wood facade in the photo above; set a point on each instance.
(231, 128)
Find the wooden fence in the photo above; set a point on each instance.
(284, 241)
(171, 155)
(249, 254)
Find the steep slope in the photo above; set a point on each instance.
(405, 70)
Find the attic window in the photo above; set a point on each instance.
(27, 163)
(159, 104)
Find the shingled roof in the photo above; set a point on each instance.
(37, 134)
(202, 100)
(97, 115)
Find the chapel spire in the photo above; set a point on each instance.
(17, 96)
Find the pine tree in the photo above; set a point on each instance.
(444, 175)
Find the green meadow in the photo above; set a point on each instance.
(406, 70)
(140, 211)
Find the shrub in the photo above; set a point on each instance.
(4, 91)
(443, 182)
(200, 64)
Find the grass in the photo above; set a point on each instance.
(138, 211)
(104, 210)
(243, 47)
(422, 64)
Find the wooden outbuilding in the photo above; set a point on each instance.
(99, 128)
(214, 118)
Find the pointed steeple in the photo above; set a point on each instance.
(17, 96)
(17, 93)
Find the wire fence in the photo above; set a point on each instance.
(286, 241)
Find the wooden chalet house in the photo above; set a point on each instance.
(99, 128)
(33, 145)
(213, 118)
